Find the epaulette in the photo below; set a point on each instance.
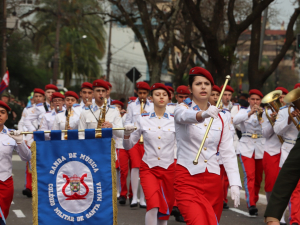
(225, 110)
(40, 104)
(112, 106)
(236, 104)
(243, 107)
(10, 130)
(86, 108)
(49, 112)
(61, 111)
(76, 105)
(145, 114)
(28, 107)
(171, 114)
(188, 101)
(283, 107)
(130, 102)
(171, 103)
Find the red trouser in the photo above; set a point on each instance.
(158, 186)
(253, 171)
(199, 197)
(28, 177)
(225, 183)
(136, 154)
(124, 165)
(6, 195)
(271, 169)
(175, 202)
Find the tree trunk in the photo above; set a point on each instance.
(2, 38)
(155, 70)
(68, 77)
(56, 50)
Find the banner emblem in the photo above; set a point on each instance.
(74, 182)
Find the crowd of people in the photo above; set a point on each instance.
(160, 142)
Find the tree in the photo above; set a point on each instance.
(153, 24)
(74, 19)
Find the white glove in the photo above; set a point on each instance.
(16, 135)
(128, 130)
(235, 195)
(212, 111)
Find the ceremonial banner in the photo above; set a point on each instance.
(5, 82)
(74, 181)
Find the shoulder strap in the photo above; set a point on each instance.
(221, 132)
(46, 107)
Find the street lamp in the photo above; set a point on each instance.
(240, 80)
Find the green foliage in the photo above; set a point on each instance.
(24, 70)
(79, 19)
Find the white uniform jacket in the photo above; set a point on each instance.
(289, 132)
(8, 144)
(189, 135)
(90, 115)
(60, 119)
(249, 125)
(134, 111)
(35, 114)
(159, 138)
(47, 122)
(119, 141)
(273, 145)
(171, 108)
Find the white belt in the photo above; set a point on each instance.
(290, 141)
(254, 136)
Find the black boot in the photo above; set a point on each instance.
(179, 218)
(225, 206)
(27, 192)
(253, 211)
(122, 200)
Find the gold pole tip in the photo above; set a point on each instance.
(228, 77)
(195, 162)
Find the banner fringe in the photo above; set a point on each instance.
(34, 185)
(114, 182)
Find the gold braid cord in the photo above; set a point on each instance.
(34, 185)
(114, 182)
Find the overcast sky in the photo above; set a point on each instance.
(285, 9)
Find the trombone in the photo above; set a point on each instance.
(272, 99)
(293, 97)
(195, 162)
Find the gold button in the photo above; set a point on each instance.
(158, 137)
(219, 128)
(168, 129)
(158, 147)
(158, 158)
(205, 124)
(149, 129)
(8, 143)
(158, 127)
(205, 148)
(159, 117)
(205, 161)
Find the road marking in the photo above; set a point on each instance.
(19, 213)
(241, 212)
(12, 203)
(16, 158)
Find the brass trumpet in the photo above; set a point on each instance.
(293, 97)
(68, 114)
(142, 109)
(272, 99)
(195, 162)
(101, 120)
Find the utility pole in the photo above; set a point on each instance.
(108, 53)
(56, 46)
(2, 38)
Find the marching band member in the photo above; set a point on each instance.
(40, 109)
(122, 159)
(47, 121)
(157, 168)
(251, 148)
(198, 188)
(182, 94)
(73, 108)
(86, 94)
(8, 144)
(284, 93)
(227, 104)
(109, 100)
(91, 115)
(285, 128)
(137, 152)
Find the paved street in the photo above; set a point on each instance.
(21, 214)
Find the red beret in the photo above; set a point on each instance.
(143, 85)
(297, 85)
(160, 86)
(255, 92)
(71, 94)
(57, 95)
(170, 88)
(117, 102)
(228, 88)
(100, 83)
(284, 91)
(109, 84)
(132, 98)
(201, 71)
(216, 88)
(4, 105)
(51, 86)
(87, 85)
(182, 89)
(38, 90)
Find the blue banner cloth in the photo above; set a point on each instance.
(74, 179)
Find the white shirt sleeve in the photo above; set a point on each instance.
(183, 115)
(117, 123)
(281, 125)
(23, 151)
(82, 125)
(129, 115)
(134, 136)
(240, 117)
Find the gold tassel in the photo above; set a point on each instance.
(114, 182)
(34, 185)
